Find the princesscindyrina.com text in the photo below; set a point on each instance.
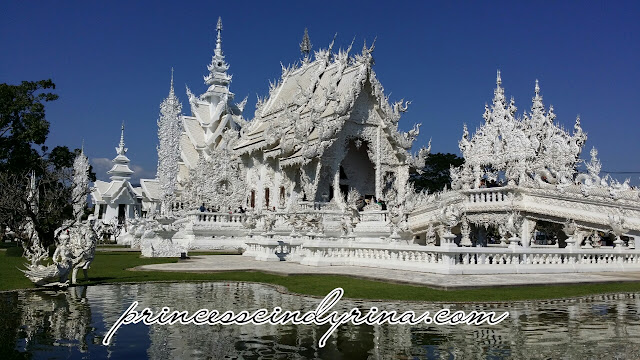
(319, 316)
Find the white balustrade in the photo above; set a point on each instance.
(470, 260)
(489, 195)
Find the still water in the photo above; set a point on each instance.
(72, 324)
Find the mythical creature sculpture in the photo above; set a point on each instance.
(531, 148)
(514, 224)
(269, 219)
(617, 224)
(75, 250)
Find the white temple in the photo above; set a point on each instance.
(117, 200)
(322, 171)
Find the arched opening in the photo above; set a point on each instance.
(356, 170)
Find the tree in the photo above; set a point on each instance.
(23, 123)
(435, 174)
(25, 162)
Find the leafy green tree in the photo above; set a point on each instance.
(23, 124)
(23, 132)
(435, 174)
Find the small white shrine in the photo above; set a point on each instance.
(117, 200)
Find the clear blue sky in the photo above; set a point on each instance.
(111, 62)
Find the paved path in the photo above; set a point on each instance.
(220, 263)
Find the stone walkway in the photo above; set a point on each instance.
(221, 263)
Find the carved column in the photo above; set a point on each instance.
(337, 195)
(465, 230)
(378, 162)
(528, 226)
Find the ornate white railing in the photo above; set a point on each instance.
(215, 217)
(470, 260)
(374, 215)
(488, 195)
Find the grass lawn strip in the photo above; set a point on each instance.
(112, 267)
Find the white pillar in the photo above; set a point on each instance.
(378, 162)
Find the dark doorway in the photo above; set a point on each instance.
(122, 208)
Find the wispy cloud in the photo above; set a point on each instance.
(141, 173)
(102, 165)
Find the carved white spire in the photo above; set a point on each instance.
(80, 183)
(169, 132)
(120, 169)
(121, 150)
(305, 45)
(498, 94)
(218, 50)
(537, 108)
(218, 67)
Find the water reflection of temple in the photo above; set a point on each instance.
(72, 323)
(534, 329)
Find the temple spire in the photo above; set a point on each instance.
(305, 45)
(499, 101)
(120, 169)
(218, 50)
(171, 91)
(218, 67)
(121, 150)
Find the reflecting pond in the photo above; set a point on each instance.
(72, 324)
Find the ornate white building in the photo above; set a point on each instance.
(325, 143)
(117, 200)
(325, 128)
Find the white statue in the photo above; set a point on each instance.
(75, 250)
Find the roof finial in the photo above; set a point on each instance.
(122, 134)
(219, 40)
(171, 91)
(305, 45)
(121, 150)
(82, 148)
(537, 89)
(498, 79)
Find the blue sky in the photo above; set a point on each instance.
(111, 62)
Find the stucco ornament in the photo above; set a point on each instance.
(617, 224)
(169, 132)
(75, 250)
(449, 216)
(216, 182)
(527, 151)
(80, 184)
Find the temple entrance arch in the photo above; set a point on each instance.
(356, 169)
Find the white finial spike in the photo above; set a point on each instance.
(219, 40)
(305, 45)
(121, 150)
(82, 147)
(537, 88)
(171, 91)
(498, 79)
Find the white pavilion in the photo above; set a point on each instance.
(117, 200)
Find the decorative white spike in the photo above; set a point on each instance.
(219, 39)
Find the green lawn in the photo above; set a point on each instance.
(111, 267)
